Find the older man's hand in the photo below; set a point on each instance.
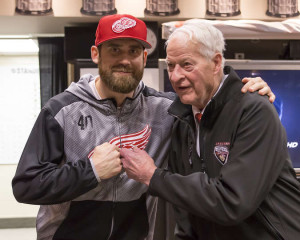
(138, 164)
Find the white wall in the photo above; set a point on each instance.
(20, 105)
(9, 207)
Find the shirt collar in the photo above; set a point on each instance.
(197, 110)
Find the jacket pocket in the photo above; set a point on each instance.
(270, 227)
(86, 220)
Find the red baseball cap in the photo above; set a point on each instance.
(121, 26)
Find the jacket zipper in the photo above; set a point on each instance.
(269, 225)
(113, 208)
(190, 148)
(202, 152)
(118, 121)
(115, 179)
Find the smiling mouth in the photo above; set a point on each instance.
(121, 69)
(182, 88)
(122, 72)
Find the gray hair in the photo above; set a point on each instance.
(203, 32)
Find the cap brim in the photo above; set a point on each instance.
(144, 43)
(141, 41)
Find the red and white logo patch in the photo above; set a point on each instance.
(139, 139)
(122, 24)
(221, 151)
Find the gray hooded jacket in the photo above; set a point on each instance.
(55, 172)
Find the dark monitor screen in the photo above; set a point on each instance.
(284, 79)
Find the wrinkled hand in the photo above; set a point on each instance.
(138, 164)
(257, 83)
(106, 159)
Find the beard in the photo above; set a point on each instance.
(121, 84)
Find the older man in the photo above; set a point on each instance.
(230, 176)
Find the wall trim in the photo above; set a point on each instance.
(17, 223)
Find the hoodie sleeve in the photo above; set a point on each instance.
(42, 176)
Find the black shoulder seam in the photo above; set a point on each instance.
(56, 103)
(147, 91)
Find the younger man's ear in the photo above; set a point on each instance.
(145, 57)
(95, 54)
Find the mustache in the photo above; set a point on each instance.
(122, 68)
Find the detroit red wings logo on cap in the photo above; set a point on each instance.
(139, 139)
(122, 24)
